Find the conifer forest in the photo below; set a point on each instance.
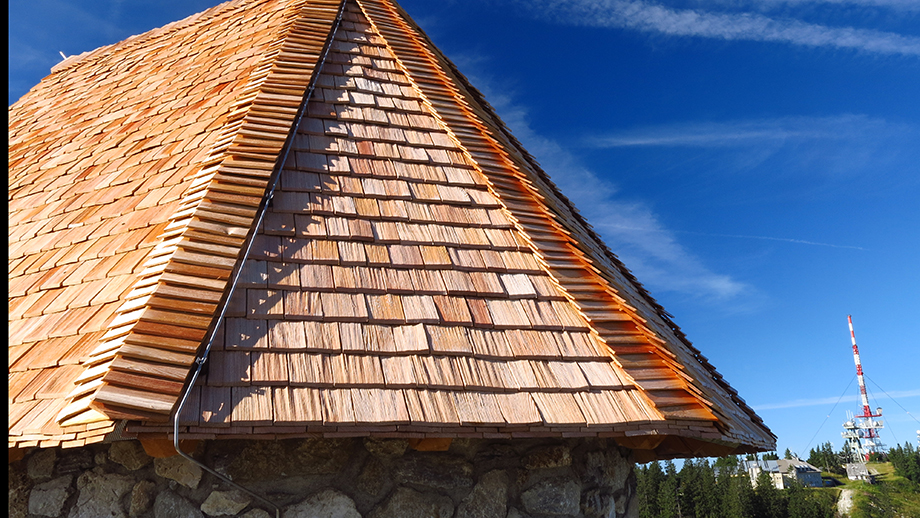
(722, 488)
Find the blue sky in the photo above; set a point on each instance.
(755, 163)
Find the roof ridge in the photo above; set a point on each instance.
(538, 253)
(504, 150)
(586, 228)
(518, 211)
(411, 350)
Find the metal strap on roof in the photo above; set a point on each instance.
(202, 358)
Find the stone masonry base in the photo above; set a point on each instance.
(337, 478)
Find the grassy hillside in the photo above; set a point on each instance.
(890, 497)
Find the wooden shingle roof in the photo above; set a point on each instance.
(414, 273)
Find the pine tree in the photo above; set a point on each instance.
(648, 480)
(736, 493)
(906, 461)
(746, 497)
(769, 500)
(707, 504)
(827, 459)
(668, 501)
(690, 488)
(803, 503)
(727, 463)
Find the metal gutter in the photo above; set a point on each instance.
(203, 356)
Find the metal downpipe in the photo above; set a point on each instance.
(203, 357)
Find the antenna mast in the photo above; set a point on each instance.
(861, 431)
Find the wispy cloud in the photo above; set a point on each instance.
(752, 132)
(797, 403)
(901, 5)
(629, 227)
(749, 26)
(740, 236)
(653, 250)
(814, 152)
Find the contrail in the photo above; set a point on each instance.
(768, 238)
(740, 236)
(826, 400)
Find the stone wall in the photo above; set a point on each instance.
(336, 478)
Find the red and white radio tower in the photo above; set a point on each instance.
(861, 431)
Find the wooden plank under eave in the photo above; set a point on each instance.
(200, 271)
(90, 373)
(116, 396)
(182, 305)
(337, 406)
(689, 411)
(639, 360)
(559, 408)
(518, 408)
(192, 408)
(651, 373)
(118, 412)
(222, 217)
(224, 260)
(193, 282)
(174, 318)
(297, 405)
(162, 342)
(215, 406)
(214, 206)
(158, 385)
(661, 384)
(251, 406)
(236, 199)
(220, 228)
(379, 406)
(75, 443)
(146, 368)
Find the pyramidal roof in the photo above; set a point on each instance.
(307, 201)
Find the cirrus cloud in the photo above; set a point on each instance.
(750, 26)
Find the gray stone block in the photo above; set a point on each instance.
(443, 472)
(409, 503)
(180, 469)
(100, 495)
(555, 497)
(47, 498)
(488, 499)
(326, 504)
(170, 505)
(129, 454)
